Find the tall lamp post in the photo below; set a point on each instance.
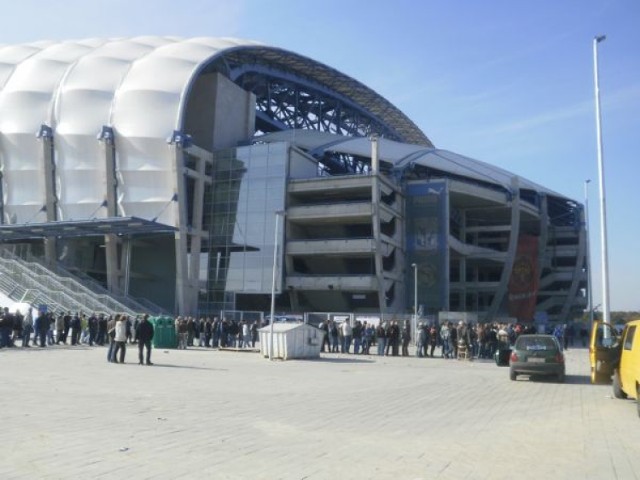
(588, 242)
(273, 280)
(603, 205)
(415, 293)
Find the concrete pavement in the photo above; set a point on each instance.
(67, 413)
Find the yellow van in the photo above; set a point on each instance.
(617, 355)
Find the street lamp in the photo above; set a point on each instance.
(273, 281)
(588, 244)
(603, 205)
(415, 293)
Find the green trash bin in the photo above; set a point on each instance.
(164, 334)
(157, 331)
(171, 337)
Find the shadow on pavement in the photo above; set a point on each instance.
(568, 379)
(341, 360)
(578, 379)
(189, 367)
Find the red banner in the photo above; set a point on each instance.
(523, 284)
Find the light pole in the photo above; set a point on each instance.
(603, 205)
(273, 281)
(588, 242)
(415, 294)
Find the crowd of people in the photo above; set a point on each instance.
(119, 330)
(215, 332)
(392, 338)
(449, 340)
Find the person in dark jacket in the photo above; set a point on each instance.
(42, 327)
(76, 328)
(144, 334)
(92, 325)
(406, 338)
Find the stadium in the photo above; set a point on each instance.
(204, 175)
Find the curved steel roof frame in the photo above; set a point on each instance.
(324, 79)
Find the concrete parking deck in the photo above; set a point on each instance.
(67, 413)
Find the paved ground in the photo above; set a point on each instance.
(67, 413)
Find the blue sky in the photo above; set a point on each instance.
(508, 82)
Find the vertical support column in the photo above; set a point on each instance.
(184, 294)
(202, 157)
(48, 167)
(544, 236)
(112, 242)
(181, 236)
(501, 291)
(463, 262)
(375, 219)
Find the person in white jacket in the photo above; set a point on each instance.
(347, 333)
(120, 339)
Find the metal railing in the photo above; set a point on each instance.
(31, 282)
(79, 281)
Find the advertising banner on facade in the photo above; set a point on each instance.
(523, 283)
(427, 234)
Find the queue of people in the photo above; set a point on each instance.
(47, 329)
(390, 338)
(215, 332)
(447, 341)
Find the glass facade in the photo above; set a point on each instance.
(248, 188)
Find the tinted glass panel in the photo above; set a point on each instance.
(535, 343)
(628, 340)
(248, 189)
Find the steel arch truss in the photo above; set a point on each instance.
(283, 104)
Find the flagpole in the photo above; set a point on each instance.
(606, 317)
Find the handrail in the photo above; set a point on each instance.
(78, 288)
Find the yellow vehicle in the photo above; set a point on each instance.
(618, 356)
(604, 352)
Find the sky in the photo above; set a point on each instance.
(508, 82)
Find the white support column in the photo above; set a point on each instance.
(181, 235)
(46, 137)
(375, 219)
(112, 242)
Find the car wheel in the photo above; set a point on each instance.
(561, 377)
(512, 374)
(617, 388)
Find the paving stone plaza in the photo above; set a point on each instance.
(197, 413)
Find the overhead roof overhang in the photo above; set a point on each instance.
(124, 226)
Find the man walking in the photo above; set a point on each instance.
(144, 334)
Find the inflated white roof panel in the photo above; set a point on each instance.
(137, 86)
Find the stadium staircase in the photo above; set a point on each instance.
(29, 281)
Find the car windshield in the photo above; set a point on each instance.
(535, 343)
